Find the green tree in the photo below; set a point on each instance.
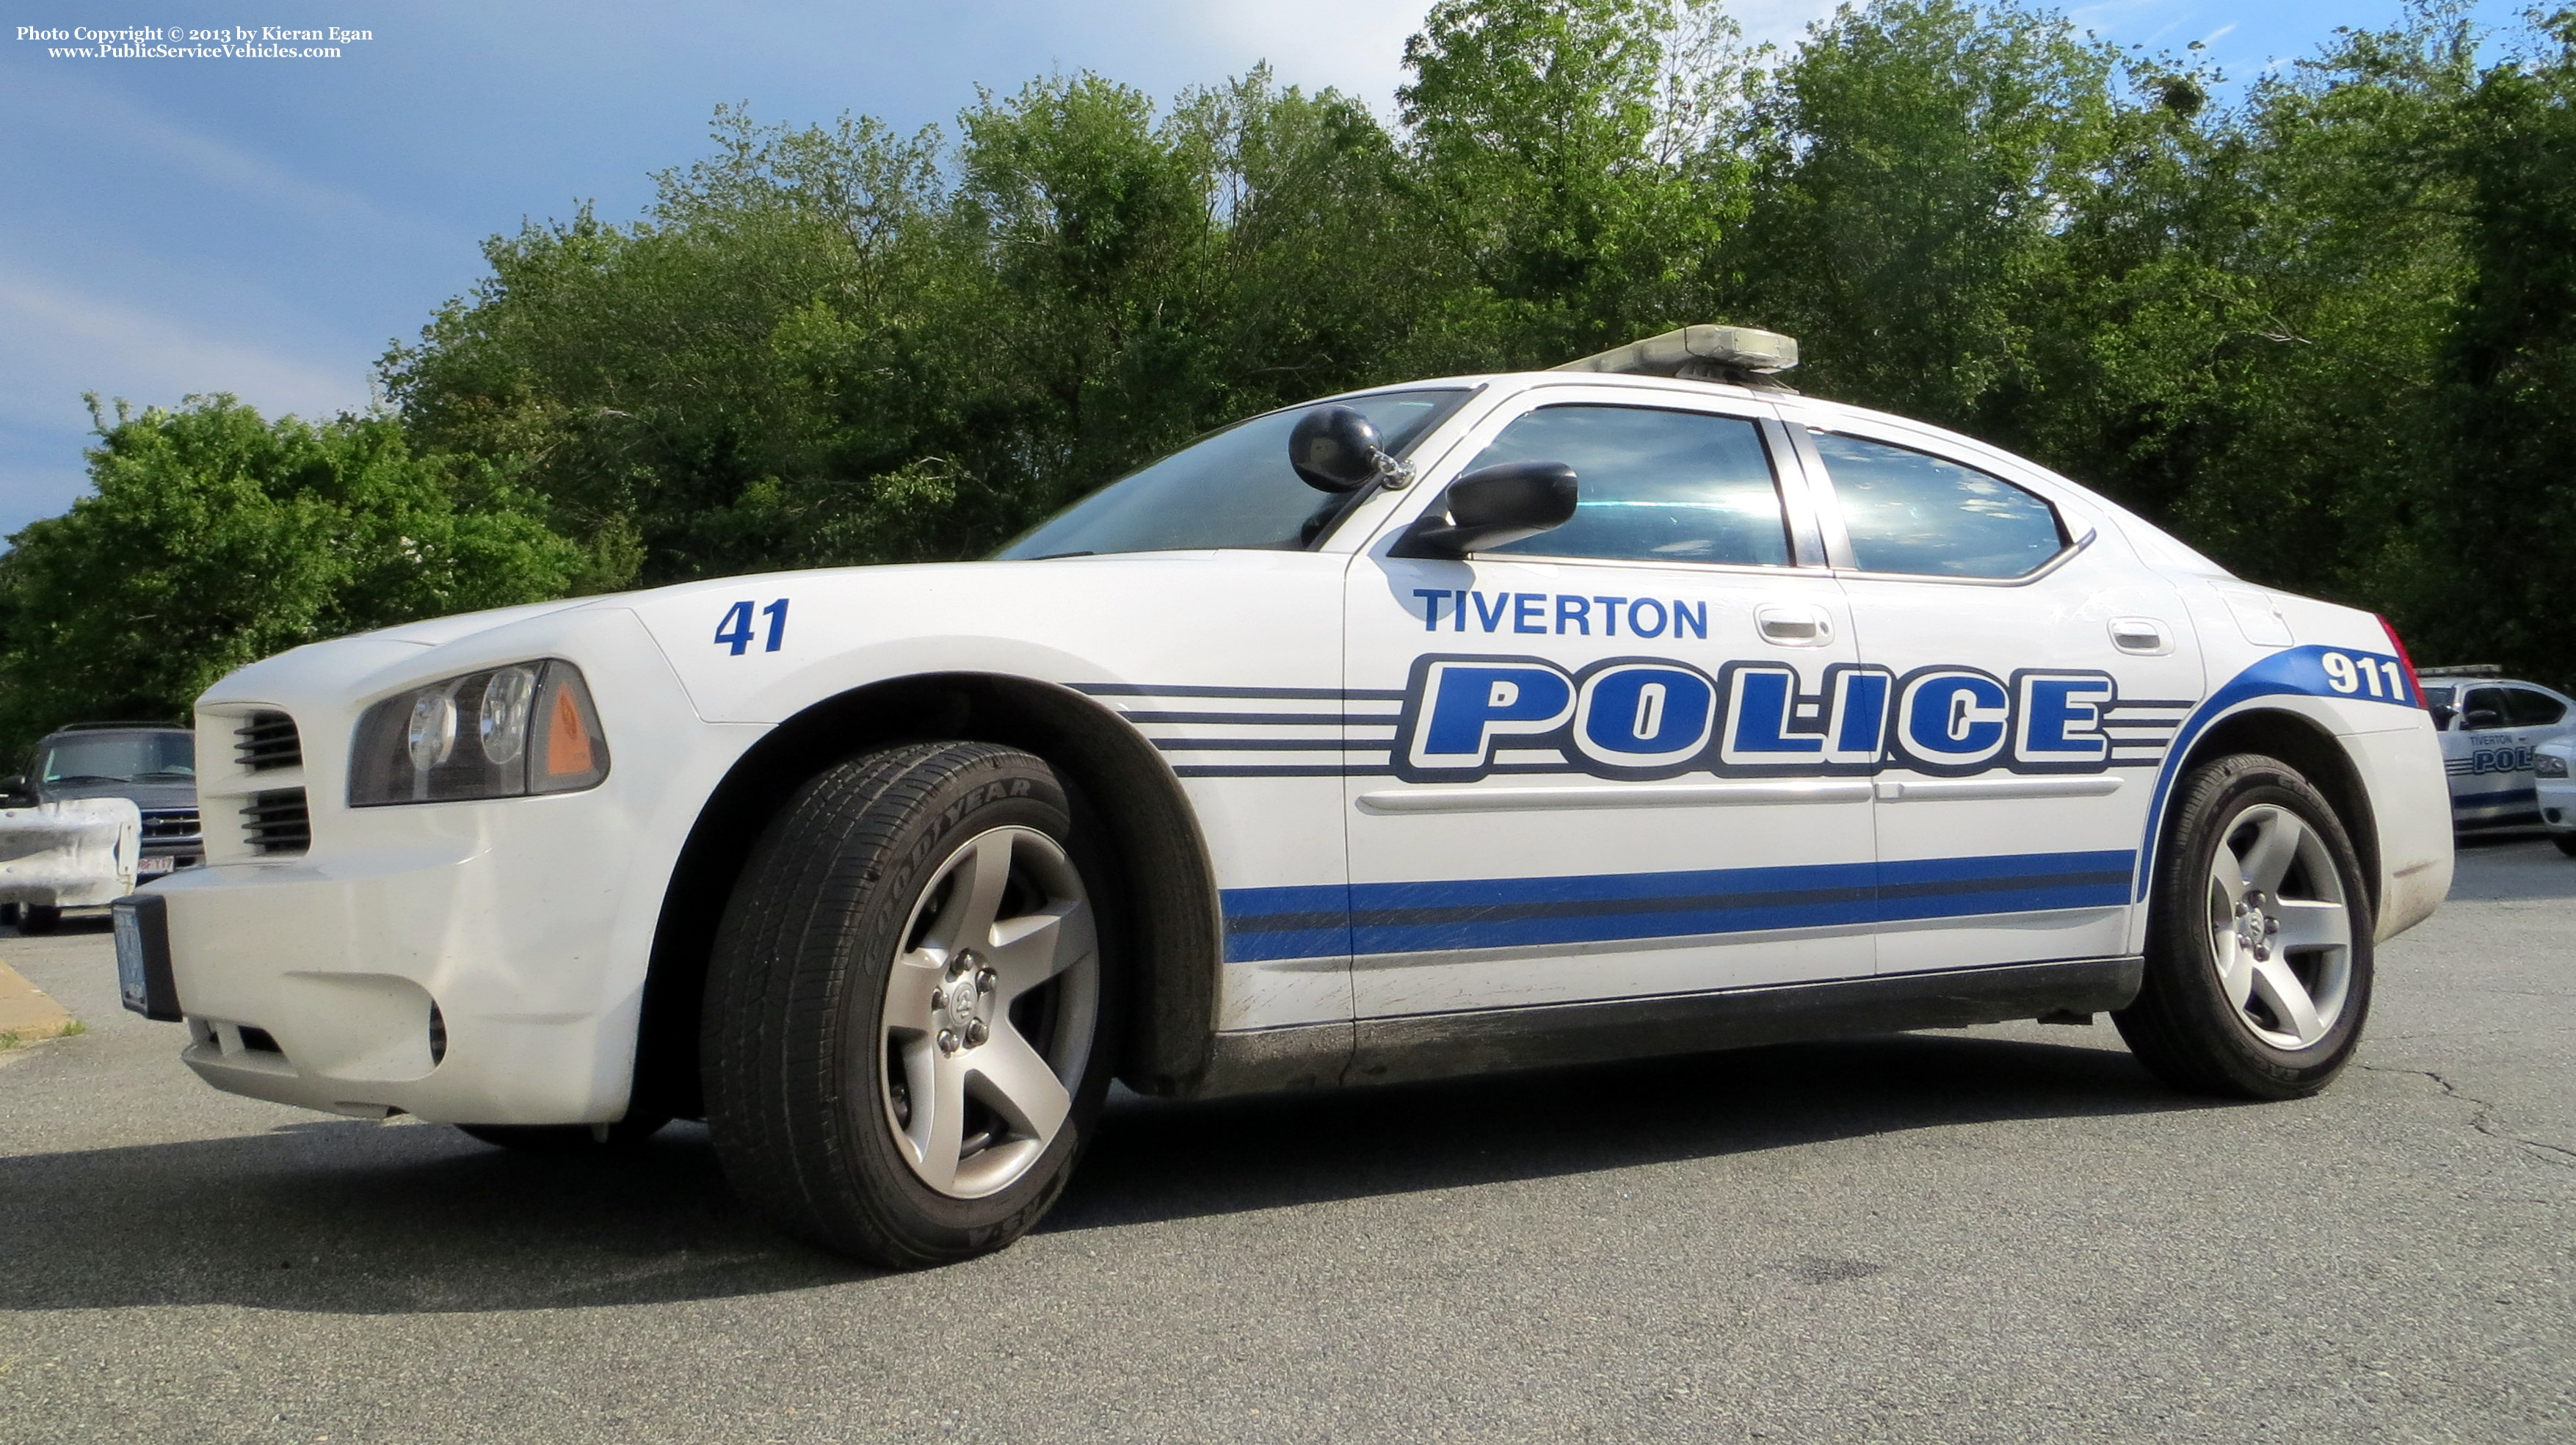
(215, 538)
(1914, 159)
(2507, 496)
(1563, 152)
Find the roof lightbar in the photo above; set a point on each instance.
(1739, 354)
(2465, 669)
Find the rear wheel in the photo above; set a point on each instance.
(905, 1032)
(2566, 843)
(2258, 968)
(39, 918)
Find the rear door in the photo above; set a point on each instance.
(2038, 670)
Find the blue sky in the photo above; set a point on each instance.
(268, 227)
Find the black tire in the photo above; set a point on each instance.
(809, 1072)
(627, 1133)
(39, 918)
(2184, 1025)
(2566, 843)
(9, 914)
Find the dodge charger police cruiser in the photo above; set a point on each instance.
(1635, 707)
(2490, 726)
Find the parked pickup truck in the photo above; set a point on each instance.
(64, 840)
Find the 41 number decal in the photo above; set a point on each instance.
(736, 630)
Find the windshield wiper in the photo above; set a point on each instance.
(1051, 556)
(85, 779)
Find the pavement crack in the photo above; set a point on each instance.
(2484, 1119)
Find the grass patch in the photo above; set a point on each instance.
(70, 1028)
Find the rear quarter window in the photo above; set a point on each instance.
(1911, 512)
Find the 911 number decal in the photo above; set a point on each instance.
(735, 630)
(2347, 674)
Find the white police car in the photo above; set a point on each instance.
(1639, 706)
(2490, 725)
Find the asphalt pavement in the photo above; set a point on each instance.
(2007, 1233)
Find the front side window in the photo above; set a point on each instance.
(1652, 485)
(90, 759)
(1230, 488)
(2526, 708)
(1912, 512)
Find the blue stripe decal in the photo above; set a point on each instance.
(1264, 924)
(2297, 671)
(2529, 795)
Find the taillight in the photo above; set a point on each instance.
(2396, 644)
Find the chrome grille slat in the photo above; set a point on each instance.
(169, 825)
(266, 741)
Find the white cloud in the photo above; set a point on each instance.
(1358, 46)
(132, 135)
(56, 341)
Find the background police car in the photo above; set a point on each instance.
(2490, 725)
(1806, 720)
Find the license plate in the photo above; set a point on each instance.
(147, 867)
(130, 980)
(143, 974)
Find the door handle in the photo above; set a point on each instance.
(1793, 626)
(2143, 635)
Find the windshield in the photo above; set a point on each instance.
(1230, 488)
(88, 759)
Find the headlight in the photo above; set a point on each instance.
(2547, 766)
(501, 733)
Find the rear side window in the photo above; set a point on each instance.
(1912, 512)
(2524, 708)
(2485, 700)
(1653, 485)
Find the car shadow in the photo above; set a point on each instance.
(96, 921)
(351, 1217)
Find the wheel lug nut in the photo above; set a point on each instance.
(986, 980)
(947, 1042)
(976, 1033)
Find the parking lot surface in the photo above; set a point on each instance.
(2006, 1233)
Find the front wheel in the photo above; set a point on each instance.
(39, 918)
(2258, 967)
(906, 1028)
(2566, 843)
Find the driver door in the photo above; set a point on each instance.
(1600, 762)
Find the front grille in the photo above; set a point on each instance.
(169, 825)
(268, 740)
(277, 822)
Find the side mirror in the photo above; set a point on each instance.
(1334, 449)
(14, 789)
(2442, 715)
(2483, 719)
(1491, 506)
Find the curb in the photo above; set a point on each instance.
(26, 1014)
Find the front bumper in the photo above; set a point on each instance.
(468, 962)
(434, 980)
(2557, 797)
